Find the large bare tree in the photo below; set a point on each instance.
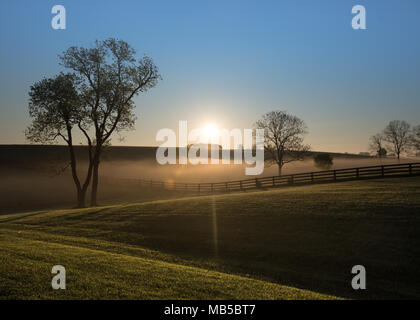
(283, 135)
(110, 78)
(397, 134)
(56, 108)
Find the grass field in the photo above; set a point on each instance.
(292, 243)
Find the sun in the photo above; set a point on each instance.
(210, 131)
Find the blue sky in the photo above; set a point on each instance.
(228, 62)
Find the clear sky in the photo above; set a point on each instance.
(230, 61)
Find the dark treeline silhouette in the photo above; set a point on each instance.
(31, 156)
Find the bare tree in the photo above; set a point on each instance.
(415, 138)
(397, 134)
(377, 145)
(55, 108)
(283, 137)
(111, 77)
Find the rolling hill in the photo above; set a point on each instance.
(299, 243)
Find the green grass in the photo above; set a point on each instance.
(100, 274)
(297, 243)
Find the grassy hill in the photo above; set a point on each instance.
(101, 273)
(298, 242)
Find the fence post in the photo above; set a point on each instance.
(274, 182)
(151, 183)
(291, 179)
(357, 173)
(212, 187)
(335, 175)
(312, 176)
(240, 185)
(226, 184)
(410, 170)
(257, 183)
(383, 171)
(199, 189)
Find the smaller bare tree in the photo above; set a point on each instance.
(283, 137)
(397, 134)
(377, 145)
(415, 138)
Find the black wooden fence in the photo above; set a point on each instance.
(382, 171)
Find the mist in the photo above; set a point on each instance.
(36, 189)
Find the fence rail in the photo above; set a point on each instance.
(382, 171)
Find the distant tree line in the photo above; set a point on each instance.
(397, 137)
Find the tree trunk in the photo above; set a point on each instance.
(280, 167)
(81, 196)
(73, 164)
(88, 178)
(95, 180)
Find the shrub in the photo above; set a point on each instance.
(323, 161)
